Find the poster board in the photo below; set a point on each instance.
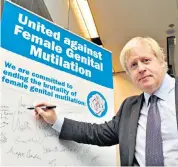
(41, 61)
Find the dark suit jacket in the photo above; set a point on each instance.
(121, 129)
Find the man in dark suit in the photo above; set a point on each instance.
(146, 126)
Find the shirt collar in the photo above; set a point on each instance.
(167, 85)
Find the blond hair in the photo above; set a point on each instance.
(134, 42)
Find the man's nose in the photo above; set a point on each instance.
(141, 67)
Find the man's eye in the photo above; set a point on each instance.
(133, 65)
(146, 60)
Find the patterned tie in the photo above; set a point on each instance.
(154, 147)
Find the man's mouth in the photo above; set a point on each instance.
(144, 77)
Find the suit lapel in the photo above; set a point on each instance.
(133, 124)
(176, 99)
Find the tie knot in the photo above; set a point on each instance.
(153, 99)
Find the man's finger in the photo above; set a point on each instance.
(36, 113)
(38, 117)
(42, 104)
(41, 112)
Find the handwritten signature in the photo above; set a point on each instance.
(62, 149)
(3, 124)
(21, 126)
(21, 103)
(3, 138)
(84, 153)
(26, 154)
(52, 163)
(28, 140)
(4, 116)
(95, 158)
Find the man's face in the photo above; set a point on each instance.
(144, 68)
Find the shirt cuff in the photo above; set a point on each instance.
(58, 124)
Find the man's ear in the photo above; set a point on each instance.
(162, 60)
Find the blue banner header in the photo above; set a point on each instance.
(37, 39)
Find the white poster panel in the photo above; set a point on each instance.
(41, 61)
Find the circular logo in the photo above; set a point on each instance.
(97, 104)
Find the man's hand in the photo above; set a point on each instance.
(49, 115)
